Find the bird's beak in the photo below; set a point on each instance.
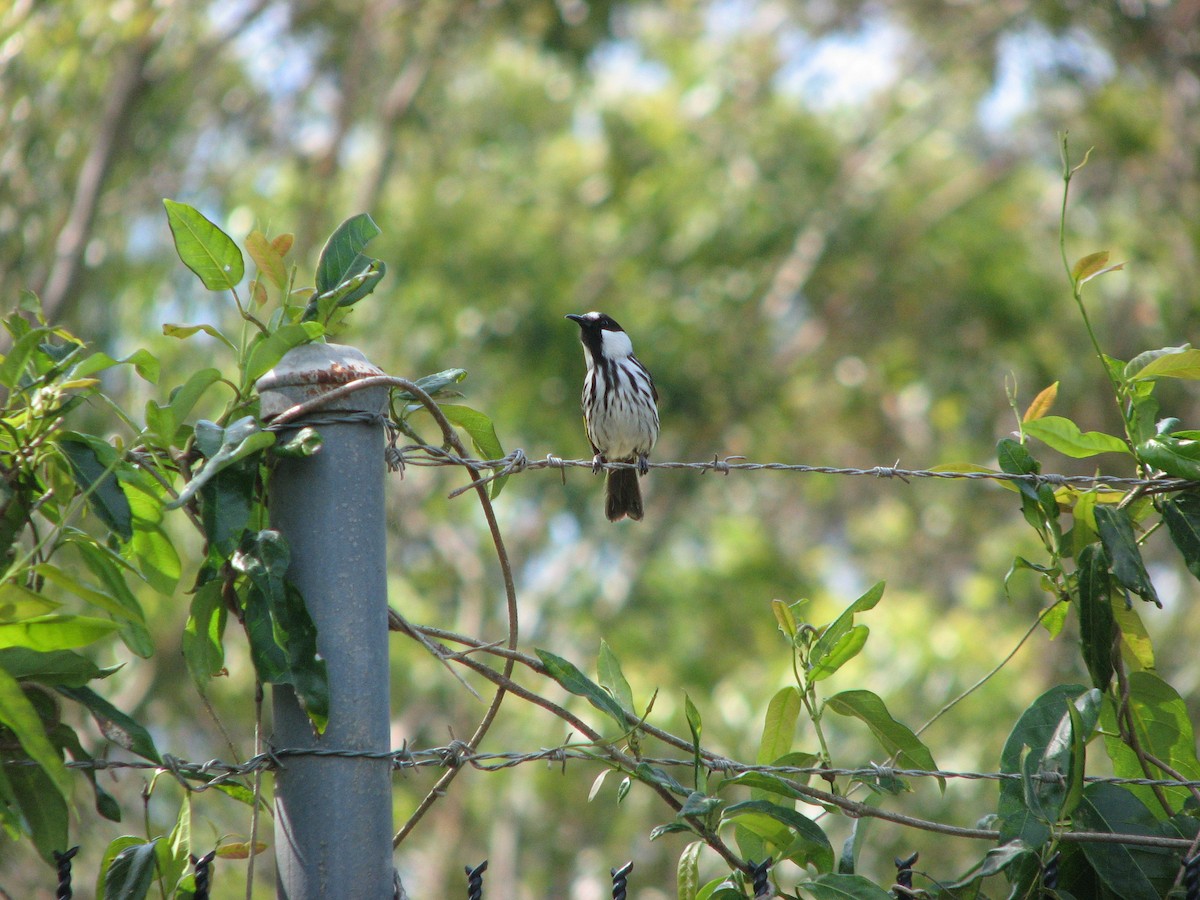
(574, 318)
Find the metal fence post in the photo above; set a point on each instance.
(333, 816)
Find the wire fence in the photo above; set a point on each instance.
(518, 462)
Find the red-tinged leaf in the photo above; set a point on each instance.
(283, 243)
(268, 259)
(1041, 403)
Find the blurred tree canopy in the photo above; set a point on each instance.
(831, 230)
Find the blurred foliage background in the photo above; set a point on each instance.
(831, 230)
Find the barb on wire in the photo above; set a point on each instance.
(518, 461)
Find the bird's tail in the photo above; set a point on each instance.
(622, 496)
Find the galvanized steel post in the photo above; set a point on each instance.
(333, 816)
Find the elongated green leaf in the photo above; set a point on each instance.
(432, 384)
(107, 567)
(93, 462)
(19, 716)
(1182, 515)
(835, 632)
(268, 350)
(1130, 872)
(847, 647)
(42, 809)
(131, 873)
(55, 667)
(813, 846)
(1097, 628)
(687, 872)
(17, 603)
(239, 440)
(612, 679)
(55, 632)
(114, 724)
(1173, 454)
(203, 650)
(482, 433)
(573, 680)
(204, 248)
(1116, 533)
(1065, 437)
(1164, 730)
(17, 358)
(186, 331)
(897, 739)
(844, 887)
(341, 257)
(282, 634)
(106, 803)
(144, 362)
(1170, 362)
(779, 725)
(104, 601)
(1030, 737)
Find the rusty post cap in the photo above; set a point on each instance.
(310, 370)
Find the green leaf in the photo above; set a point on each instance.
(433, 384)
(1116, 533)
(1172, 453)
(1014, 458)
(93, 462)
(106, 602)
(239, 440)
(321, 307)
(844, 887)
(612, 679)
(227, 502)
(1030, 737)
(268, 259)
(687, 872)
(107, 567)
(131, 873)
(17, 603)
(1064, 436)
(203, 648)
(267, 350)
(837, 644)
(114, 724)
(1097, 628)
(342, 258)
(282, 634)
(895, 738)
(1182, 516)
(43, 811)
(482, 433)
(186, 331)
(18, 714)
(806, 844)
(847, 647)
(995, 861)
(1164, 730)
(1130, 872)
(54, 667)
(573, 680)
(204, 248)
(1169, 362)
(1063, 757)
(106, 803)
(17, 358)
(301, 444)
(55, 632)
(779, 725)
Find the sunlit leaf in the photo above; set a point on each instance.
(204, 248)
(1041, 403)
(1065, 437)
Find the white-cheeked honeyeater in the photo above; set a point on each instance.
(619, 410)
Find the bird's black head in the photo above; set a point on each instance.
(592, 328)
(595, 322)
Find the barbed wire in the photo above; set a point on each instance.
(458, 754)
(518, 462)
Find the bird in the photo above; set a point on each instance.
(620, 410)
